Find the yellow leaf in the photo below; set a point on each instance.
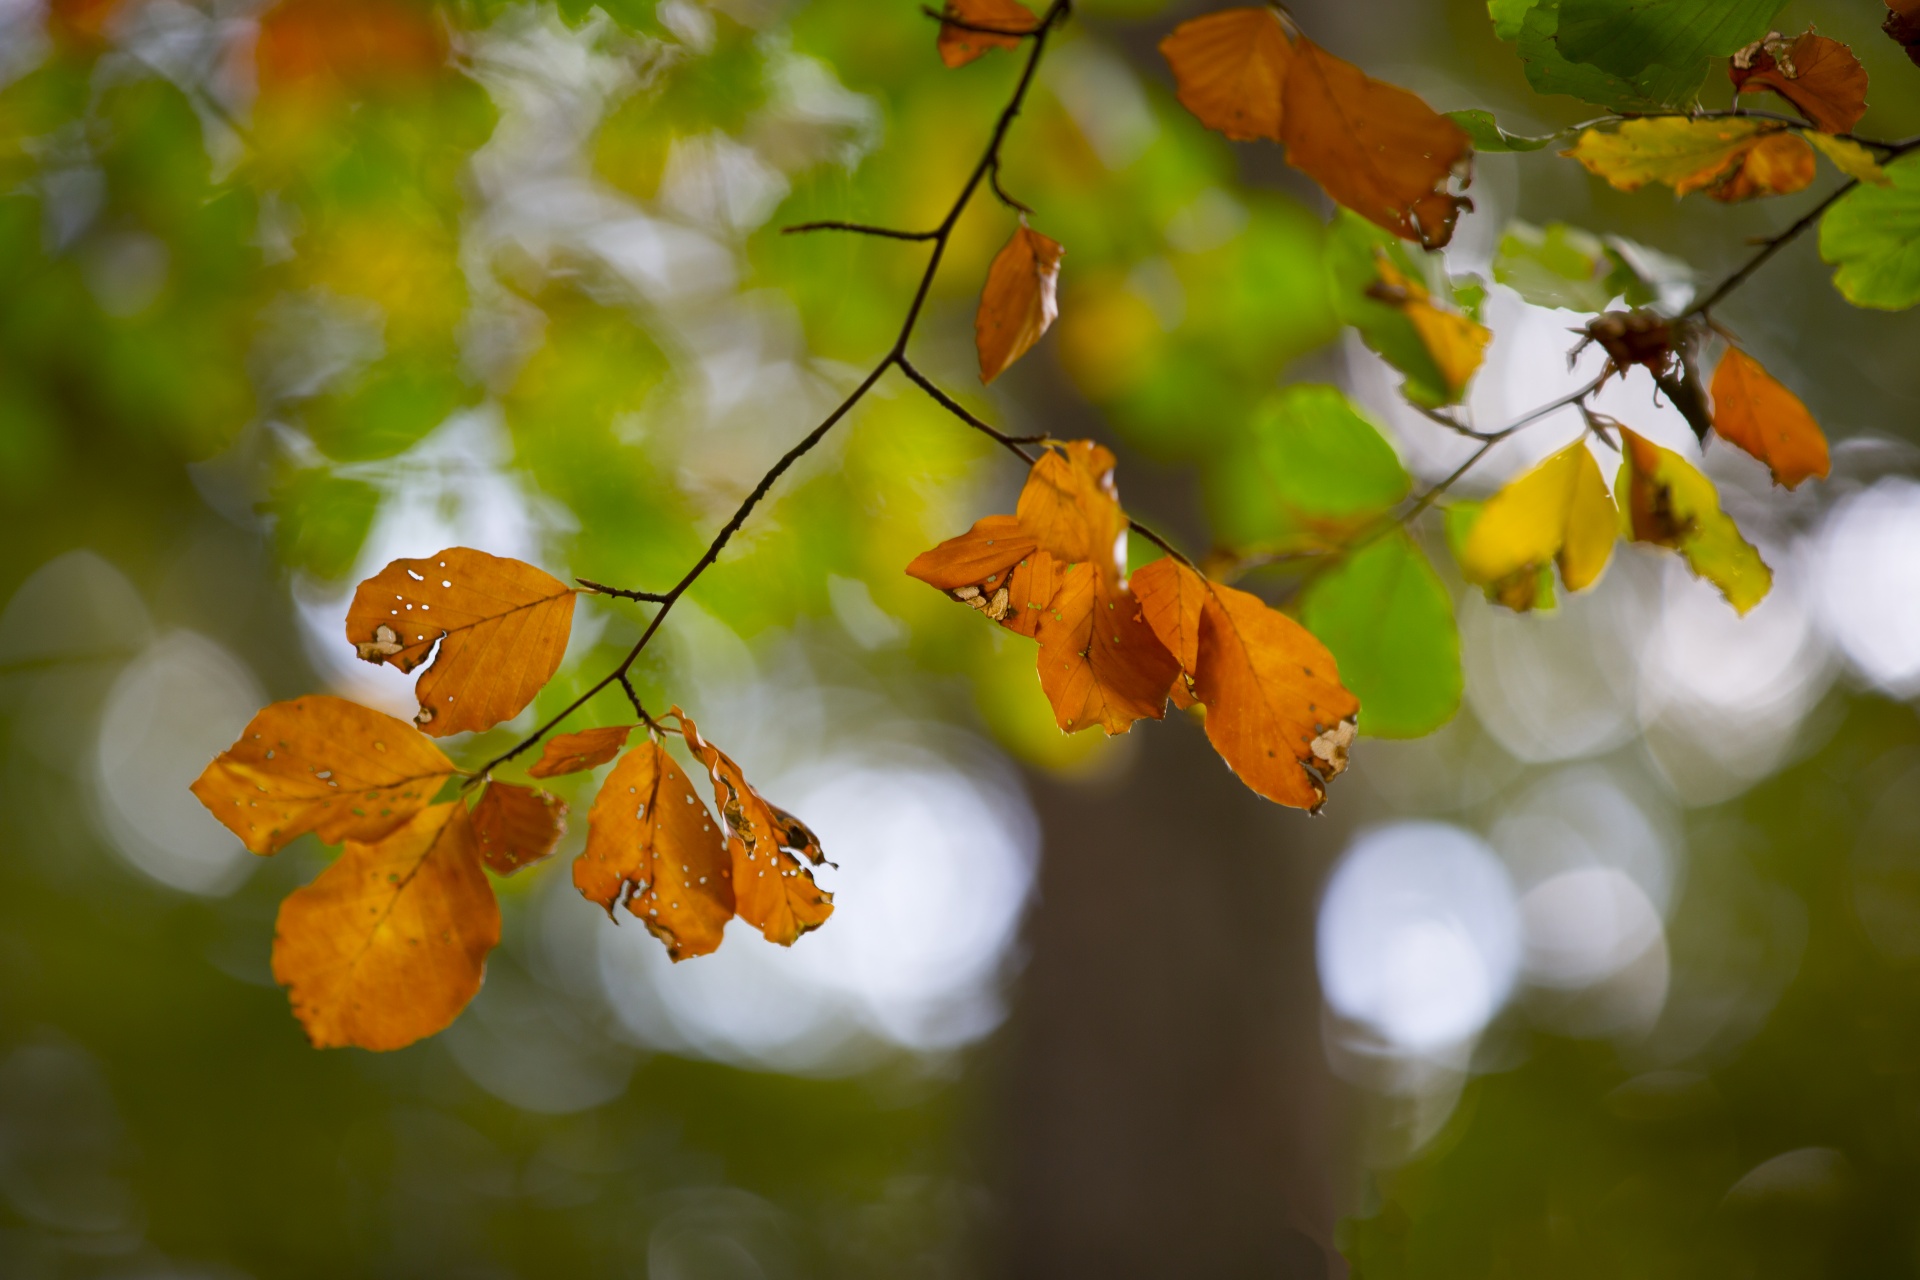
(1020, 301)
(1558, 512)
(1850, 158)
(1683, 153)
(1457, 344)
(1666, 502)
(1777, 165)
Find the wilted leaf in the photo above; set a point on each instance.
(1456, 344)
(515, 826)
(1752, 410)
(1230, 69)
(1488, 137)
(1850, 158)
(1559, 512)
(1818, 75)
(1902, 25)
(772, 891)
(977, 569)
(325, 765)
(652, 844)
(1870, 236)
(959, 46)
(1626, 37)
(1374, 147)
(1071, 507)
(1688, 154)
(1276, 711)
(1387, 619)
(587, 749)
(501, 625)
(1666, 502)
(390, 942)
(1778, 165)
(1019, 302)
(1100, 662)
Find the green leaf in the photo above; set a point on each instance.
(1352, 267)
(1488, 136)
(1563, 266)
(1508, 17)
(1388, 620)
(321, 521)
(1307, 458)
(1631, 37)
(388, 409)
(1549, 71)
(1873, 236)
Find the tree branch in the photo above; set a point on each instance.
(1768, 248)
(859, 228)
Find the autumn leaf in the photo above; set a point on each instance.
(501, 627)
(1558, 512)
(1019, 302)
(1666, 502)
(653, 845)
(1902, 25)
(1850, 158)
(1457, 344)
(1777, 165)
(1100, 662)
(1276, 710)
(786, 903)
(1753, 411)
(1374, 147)
(1230, 69)
(516, 826)
(329, 46)
(1070, 505)
(1690, 154)
(390, 942)
(587, 749)
(325, 765)
(1819, 76)
(959, 45)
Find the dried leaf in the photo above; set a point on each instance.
(1902, 25)
(1230, 70)
(1685, 154)
(587, 749)
(786, 903)
(501, 625)
(1100, 662)
(516, 826)
(1753, 411)
(1457, 344)
(1558, 512)
(1376, 148)
(1666, 502)
(1071, 508)
(390, 942)
(959, 46)
(325, 765)
(1171, 600)
(651, 843)
(1777, 165)
(1019, 302)
(1818, 75)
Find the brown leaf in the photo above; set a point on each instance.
(1019, 301)
(587, 749)
(1171, 599)
(786, 903)
(1230, 69)
(1374, 147)
(390, 942)
(515, 826)
(501, 625)
(1276, 711)
(325, 765)
(1779, 164)
(652, 843)
(1070, 505)
(1819, 76)
(1753, 411)
(1100, 662)
(1902, 25)
(959, 46)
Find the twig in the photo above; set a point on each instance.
(601, 589)
(1001, 192)
(1769, 247)
(859, 228)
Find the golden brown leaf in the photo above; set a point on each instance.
(1030, 589)
(390, 942)
(1818, 75)
(1689, 154)
(1777, 165)
(1171, 599)
(959, 46)
(1374, 147)
(1019, 302)
(1230, 69)
(326, 46)
(587, 749)
(772, 891)
(1753, 411)
(1276, 710)
(325, 765)
(1667, 502)
(516, 826)
(1457, 343)
(652, 843)
(501, 625)
(1100, 663)
(1070, 506)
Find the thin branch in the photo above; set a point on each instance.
(620, 593)
(1768, 248)
(1001, 192)
(859, 228)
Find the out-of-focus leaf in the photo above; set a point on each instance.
(515, 826)
(321, 521)
(388, 408)
(1666, 502)
(1516, 592)
(1230, 70)
(1353, 255)
(1019, 302)
(961, 45)
(1489, 137)
(1549, 70)
(1626, 37)
(1870, 236)
(1318, 456)
(1388, 620)
(1732, 159)
(1562, 266)
(1850, 158)
(1456, 344)
(1753, 411)
(1559, 512)
(1818, 75)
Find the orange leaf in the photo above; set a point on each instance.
(1070, 506)
(587, 749)
(1818, 75)
(390, 942)
(325, 765)
(1171, 599)
(515, 826)
(1376, 148)
(786, 903)
(1778, 164)
(314, 45)
(1019, 301)
(1276, 711)
(1756, 413)
(1100, 663)
(959, 46)
(501, 625)
(651, 842)
(1230, 69)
